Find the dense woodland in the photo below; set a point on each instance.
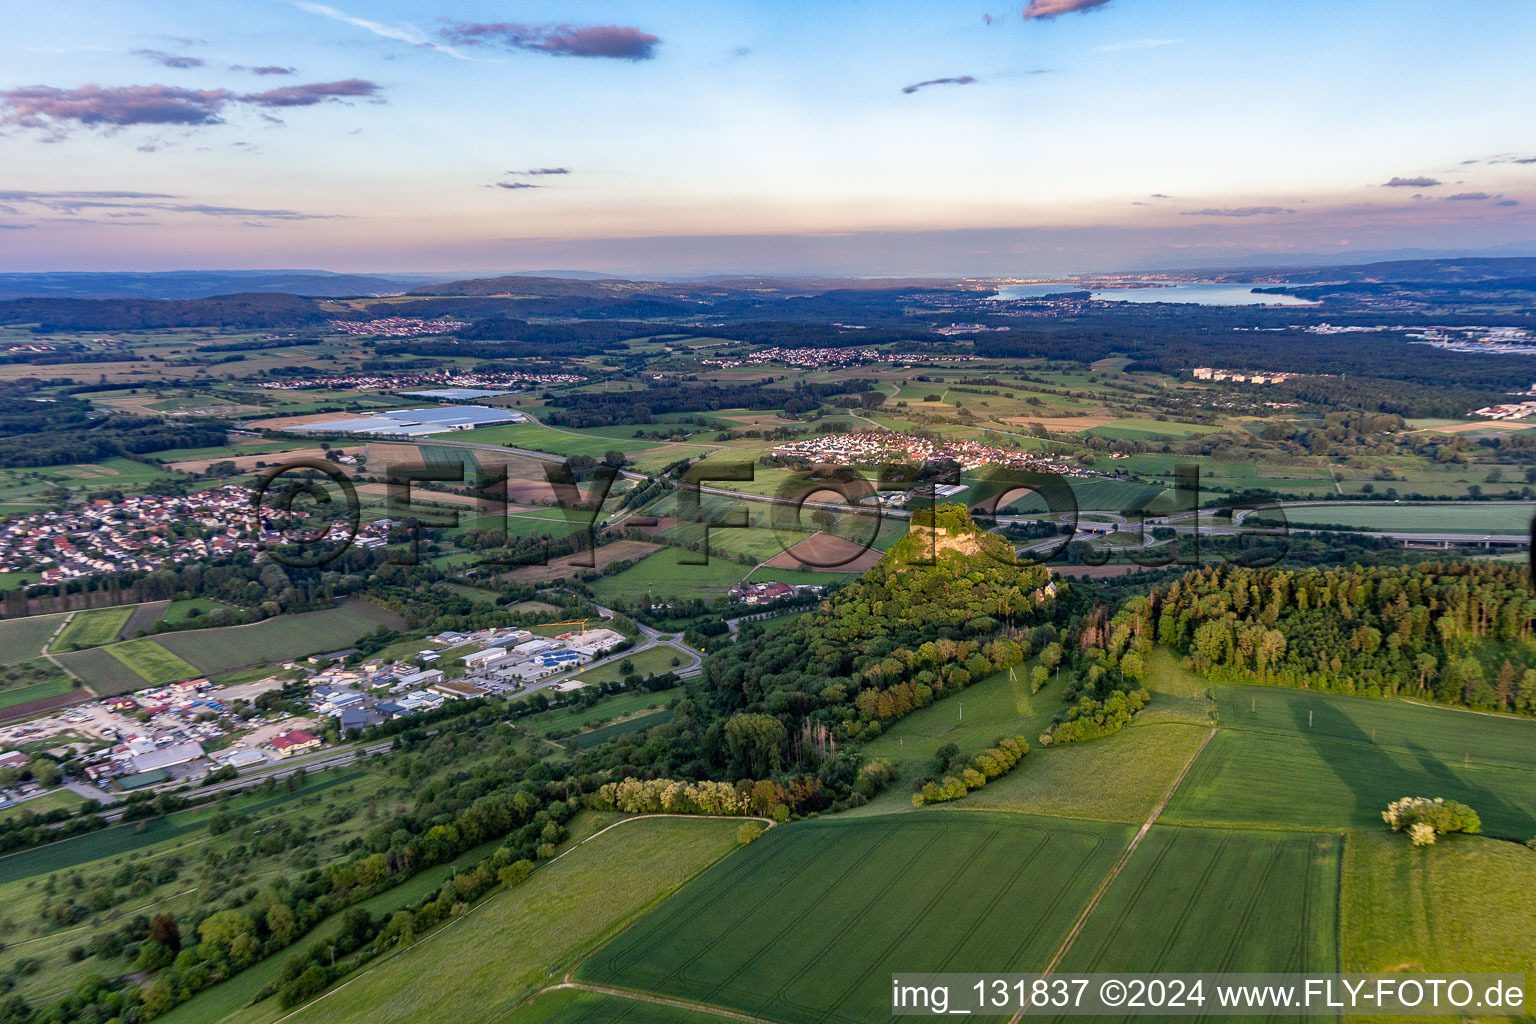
(1460, 633)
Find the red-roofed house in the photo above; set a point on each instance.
(296, 742)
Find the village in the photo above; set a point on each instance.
(140, 532)
(455, 378)
(871, 448)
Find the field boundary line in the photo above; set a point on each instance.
(645, 997)
(1114, 872)
(380, 961)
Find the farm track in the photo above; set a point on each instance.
(1114, 872)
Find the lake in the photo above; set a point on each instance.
(1201, 294)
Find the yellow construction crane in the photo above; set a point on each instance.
(573, 622)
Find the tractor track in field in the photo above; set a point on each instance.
(1114, 872)
(677, 1004)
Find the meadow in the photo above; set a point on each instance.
(665, 576)
(609, 709)
(808, 923)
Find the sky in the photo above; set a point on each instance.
(900, 137)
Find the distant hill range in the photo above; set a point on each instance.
(1463, 270)
(202, 284)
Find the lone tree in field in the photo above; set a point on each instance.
(1425, 819)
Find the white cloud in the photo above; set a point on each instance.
(408, 34)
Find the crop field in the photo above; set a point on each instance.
(1454, 735)
(1110, 495)
(101, 671)
(595, 558)
(54, 687)
(664, 576)
(1463, 904)
(23, 639)
(1213, 900)
(570, 1006)
(808, 923)
(825, 552)
(94, 627)
(1332, 784)
(756, 543)
(1460, 517)
(286, 636)
(152, 662)
(1133, 429)
(480, 966)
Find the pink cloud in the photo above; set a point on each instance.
(1053, 8)
(611, 41)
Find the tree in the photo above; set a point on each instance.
(164, 930)
(756, 743)
(220, 931)
(44, 771)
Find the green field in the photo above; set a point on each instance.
(101, 671)
(1119, 778)
(1459, 517)
(277, 639)
(569, 1006)
(1330, 784)
(178, 612)
(1213, 900)
(540, 438)
(94, 627)
(152, 662)
(808, 923)
(610, 709)
(664, 577)
(1463, 904)
(480, 966)
(1135, 429)
(649, 662)
(23, 639)
(53, 687)
(59, 799)
(1446, 733)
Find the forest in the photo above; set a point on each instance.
(1458, 633)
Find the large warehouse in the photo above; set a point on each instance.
(438, 419)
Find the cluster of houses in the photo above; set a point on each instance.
(873, 448)
(461, 378)
(398, 326)
(142, 531)
(1241, 376)
(1511, 411)
(760, 593)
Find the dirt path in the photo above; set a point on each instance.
(1114, 872)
